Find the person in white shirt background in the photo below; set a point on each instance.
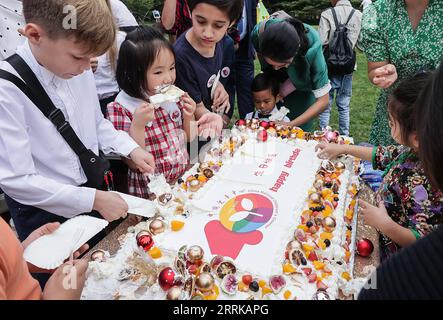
(124, 19)
(104, 73)
(341, 83)
(11, 20)
(365, 4)
(104, 66)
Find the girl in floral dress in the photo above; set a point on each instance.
(408, 207)
(399, 38)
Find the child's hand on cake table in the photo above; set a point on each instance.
(144, 114)
(329, 150)
(210, 125)
(67, 282)
(189, 105)
(376, 217)
(44, 230)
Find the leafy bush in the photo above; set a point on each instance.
(142, 9)
(308, 10)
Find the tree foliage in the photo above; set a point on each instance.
(142, 9)
(308, 10)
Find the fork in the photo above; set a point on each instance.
(162, 88)
(74, 242)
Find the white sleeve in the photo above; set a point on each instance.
(324, 29)
(322, 91)
(112, 140)
(122, 16)
(109, 139)
(20, 180)
(47, 194)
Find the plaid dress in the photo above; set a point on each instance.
(164, 139)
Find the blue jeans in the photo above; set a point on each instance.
(342, 88)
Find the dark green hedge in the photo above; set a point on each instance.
(308, 10)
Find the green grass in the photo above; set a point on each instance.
(364, 98)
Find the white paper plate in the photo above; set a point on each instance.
(50, 251)
(139, 206)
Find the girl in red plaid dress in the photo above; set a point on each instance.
(147, 61)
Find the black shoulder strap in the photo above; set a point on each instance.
(334, 14)
(350, 16)
(32, 88)
(18, 83)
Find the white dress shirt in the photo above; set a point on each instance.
(11, 20)
(37, 167)
(122, 16)
(104, 75)
(256, 115)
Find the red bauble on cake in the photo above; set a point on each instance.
(264, 124)
(240, 122)
(166, 278)
(364, 247)
(262, 136)
(145, 241)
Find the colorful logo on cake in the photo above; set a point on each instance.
(239, 220)
(246, 212)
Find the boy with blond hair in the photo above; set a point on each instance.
(44, 177)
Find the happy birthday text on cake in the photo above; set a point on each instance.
(284, 175)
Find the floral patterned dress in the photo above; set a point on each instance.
(407, 194)
(387, 34)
